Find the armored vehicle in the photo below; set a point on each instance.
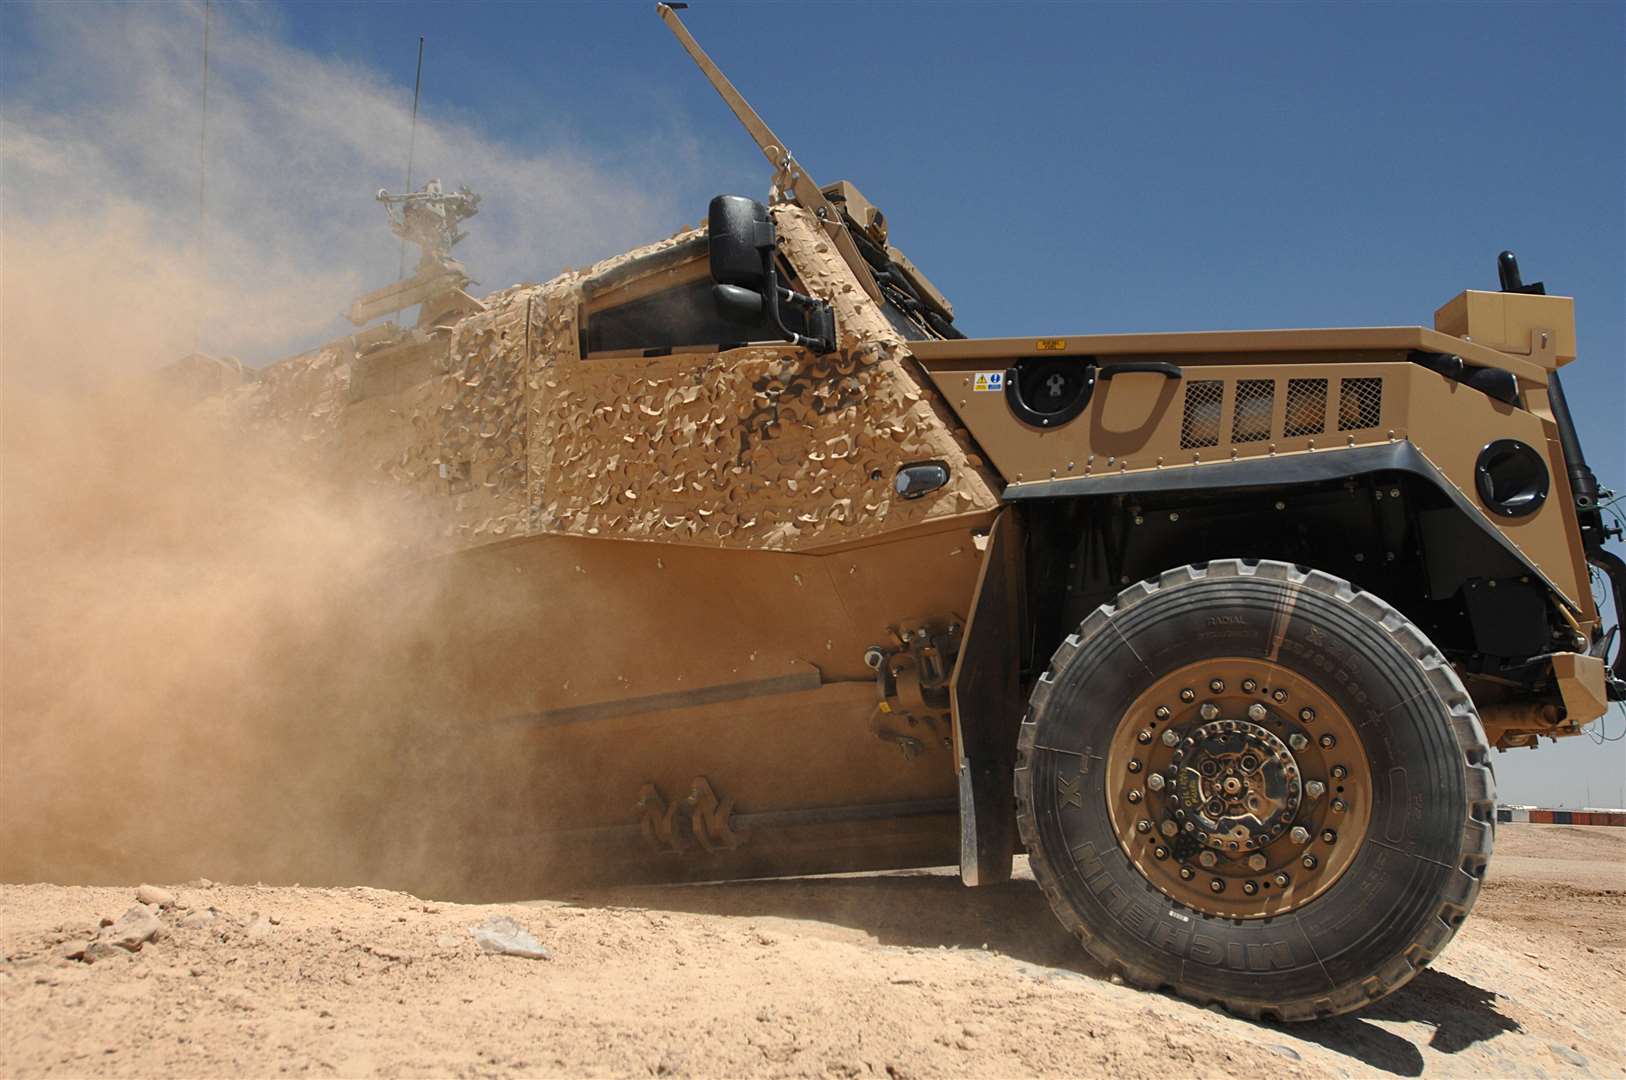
(764, 568)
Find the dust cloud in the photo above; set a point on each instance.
(217, 659)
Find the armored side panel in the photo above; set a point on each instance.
(659, 560)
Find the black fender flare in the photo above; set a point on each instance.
(1289, 471)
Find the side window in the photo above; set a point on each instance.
(647, 315)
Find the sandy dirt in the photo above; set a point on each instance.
(904, 974)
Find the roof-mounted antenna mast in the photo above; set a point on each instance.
(790, 178)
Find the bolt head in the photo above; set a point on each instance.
(1299, 835)
(1339, 772)
(1171, 737)
(1257, 713)
(1160, 852)
(1217, 885)
(1249, 685)
(1278, 696)
(1187, 873)
(1297, 741)
(1208, 859)
(1155, 781)
(1315, 789)
(1281, 880)
(1256, 863)
(1209, 711)
(1144, 736)
(1217, 686)
(1134, 796)
(1134, 764)
(1188, 696)
(1249, 887)
(1328, 836)
(1307, 714)
(1339, 806)
(1168, 828)
(1327, 741)
(1161, 712)
(1308, 862)
(1143, 826)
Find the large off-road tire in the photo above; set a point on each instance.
(1256, 785)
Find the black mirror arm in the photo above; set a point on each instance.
(773, 293)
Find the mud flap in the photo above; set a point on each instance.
(986, 694)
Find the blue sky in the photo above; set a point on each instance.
(1061, 168)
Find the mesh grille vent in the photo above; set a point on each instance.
(1251, 421)
(1200, 424)
(1360, 404)
(1306, 407)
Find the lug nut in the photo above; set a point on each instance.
(1208, 859)
(1143, 826)
(1339, 772)
(1161, 712)
(1155, 781)
(1298, 741)
(1278, 696)
(1188, 696)
(1217, 686)
(1327, 741)
(1300, 835)
(1249, 887)
(1281, 880)
(1171, 737)
(1308, 862)
(1307, 714)
(1315, 789)
(1187, 873)
(1217, 885)
(1209, 711)
(1256, 863)
(1339, 806)
(1168, 828)
(1133, 796)
(1134, 764)
(1328, 836)
(1160, 852)
(1257, 713)
(1144, 735)
(1249, 686)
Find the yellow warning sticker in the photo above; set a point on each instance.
(989, 380)
(1050, 344)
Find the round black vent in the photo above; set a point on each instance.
(1512, 478)
(1045, 393)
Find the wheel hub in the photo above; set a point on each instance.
(1238, 788)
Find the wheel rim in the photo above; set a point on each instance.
(1238, 788)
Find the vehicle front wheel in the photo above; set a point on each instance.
(1256, 785)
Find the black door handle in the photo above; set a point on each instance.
(1136, 367)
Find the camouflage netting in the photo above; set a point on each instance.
(501, 428)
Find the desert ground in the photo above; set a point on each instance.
(900, 974)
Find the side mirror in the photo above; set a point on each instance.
(738, 305)
(745, 283)
(741, 232)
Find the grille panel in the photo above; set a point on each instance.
(1360, 404)
(1306, 407)
(1254, 400)
(1200, 423)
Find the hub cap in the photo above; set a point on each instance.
(1238, 788)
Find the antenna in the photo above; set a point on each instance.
(807, 193)
(203, 180)
(412, 145)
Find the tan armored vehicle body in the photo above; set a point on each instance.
(757, 566)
